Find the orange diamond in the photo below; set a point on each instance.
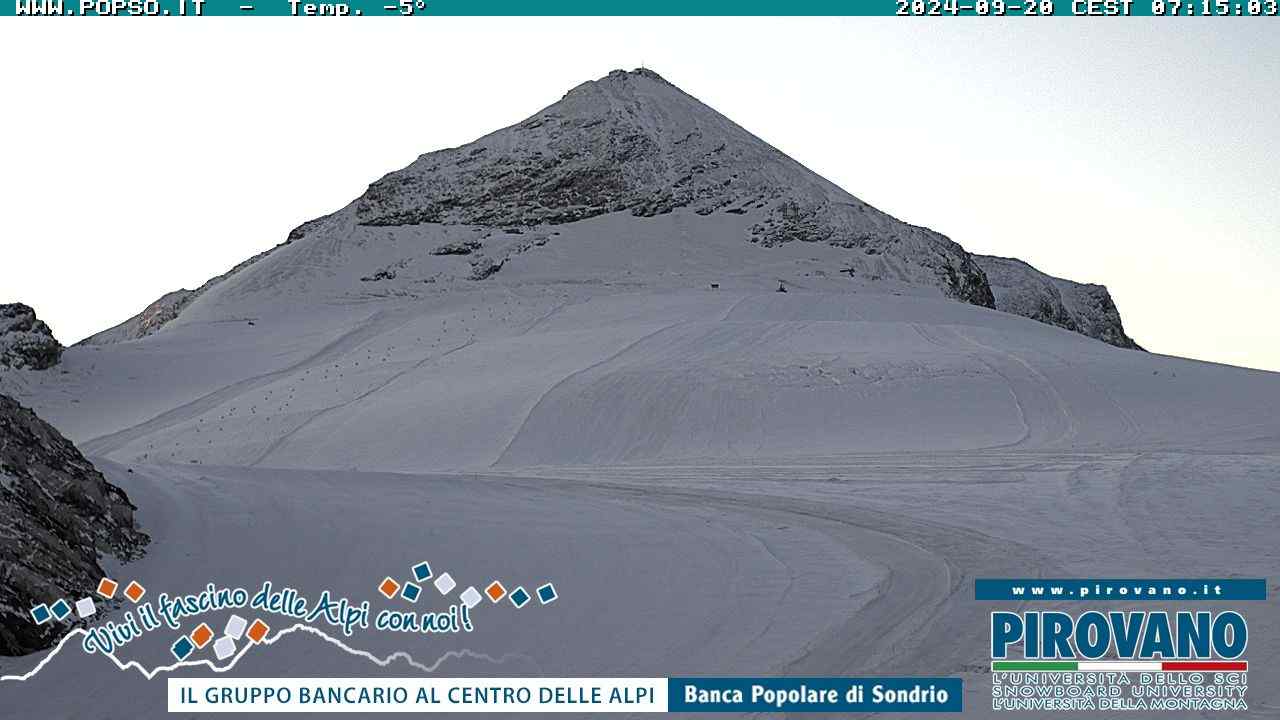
(258, 630)
(389, 588)
(495, 591)
(107, 588)
(135, 591)
(201, 635)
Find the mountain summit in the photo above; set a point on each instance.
(601, 285)
(632, 142)
(627, 179)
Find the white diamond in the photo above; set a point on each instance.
(470, 597)
(85, 607)
(224, 648)
(235, 627)
(445, 583)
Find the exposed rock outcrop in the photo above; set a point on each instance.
(58, 515)
(151, 319)
(632, 142)
(1087, 309)
(463, 247)
(170, 305)
(25, 340)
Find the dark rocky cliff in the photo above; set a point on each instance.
(25, 340)
(58, 516)
(1087, 309)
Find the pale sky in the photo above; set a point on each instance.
(137, 157)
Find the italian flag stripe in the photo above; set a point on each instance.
(1119, 665)
(1034, 665)
(1195, 665)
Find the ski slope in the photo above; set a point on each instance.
(702, 375)
(561, 353)
(722, 481)
(731, 481)
(589, 349)
(858, 565)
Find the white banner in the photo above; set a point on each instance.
(417, 695)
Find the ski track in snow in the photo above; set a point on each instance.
(959, 444)
(364, 330)
(1025, 436)
(1069, 419)
(568, 379)
(285, 437)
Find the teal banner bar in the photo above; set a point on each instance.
(429, 8)
(815, 695)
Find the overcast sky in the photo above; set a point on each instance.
(137, 157)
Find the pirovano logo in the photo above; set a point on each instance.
(1099, 660)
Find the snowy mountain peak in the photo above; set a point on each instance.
(626, 180)
(624, 77)
(632, 142)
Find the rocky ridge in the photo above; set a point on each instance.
(26, 342)
(58, 516)
(633, 144)
(1087, 309)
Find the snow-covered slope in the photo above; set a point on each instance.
(598, 284)
(726, 479)
(632, 142)
(522, 372)
(156, 315)
(629, 144)
(634, 146)
(151, 319)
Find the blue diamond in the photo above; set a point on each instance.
(422, 572)
(410, 592)
(40, 614)
(61, 609)
(547, 593)
(182, 648)
(519, 597)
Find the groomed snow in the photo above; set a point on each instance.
(590, 349)
(731, 481)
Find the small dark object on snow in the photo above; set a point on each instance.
(715, 286)
(782, 288)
